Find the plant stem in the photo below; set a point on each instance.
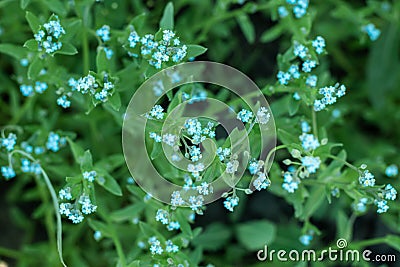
(54, 199)
(10, 253)
(85, 42)
(314, 122)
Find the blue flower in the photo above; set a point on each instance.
(170, 247)
(97, 235)
(254, 166)
(156, 137)
(312, 80)
(283, 77)
(54, 142)
(366, 178)
(391, 171)
(65, 193)
(157, 112)
(173, 226)
(244, 115)
(231, 202)
(176, 199)
(372, 31)
(86, 205)
(262, 182)
(48, 39)
(294, 71)
(282, 11)
(389, 192)
(26, 90)
(24, 62)
(7, 172)
(319, 44)
(360, 206)
(300, 50)
(104, 33)
(63, 101)
(311, 163)
(309, 142)
(109, 52)
(290, 183)
(90, 176)
(305, 127)
(40, 87)
(308, 65)
(133, 39)
(9, 142)
(162, 216)
(155, 247)
(382, 206)
(306, 239)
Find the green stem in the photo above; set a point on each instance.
(10, 253)
(314, 122)
(344, 162)
(271, 152)
(54, 199)
(85, 42)
(369, 242)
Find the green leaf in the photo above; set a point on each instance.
(101, 61)
(195, 50)
(254, 235)
(71, 28)
(100, 226)
(167, 20)
(135, 263)
(77, 150)
(33, 22)
(24, 3)
(272, 33)
(67, 49)
(247, 27)
(34, 68)
(87, 161)
(293, 106)
(32, 45)
(313, 202)
(110, 163)
(127, 213)
(157, 149)
(115, 101)
(148, 230)
(214, 237)
(185, 226)
(393, 241)
(56, 6)
(14, 51)
(109, 183)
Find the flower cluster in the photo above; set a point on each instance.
(75, 211)
(164, 217)
(156, 248)
(48, 36)
(299, 8)
(366, 178)
(330, 95)
(157, 52)
(262, 182)
(197, 132)
(30, 167)
(29, 90)
(55, 142)
(262, 117)
(104, 34)
(290, 182)
(101, 91)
